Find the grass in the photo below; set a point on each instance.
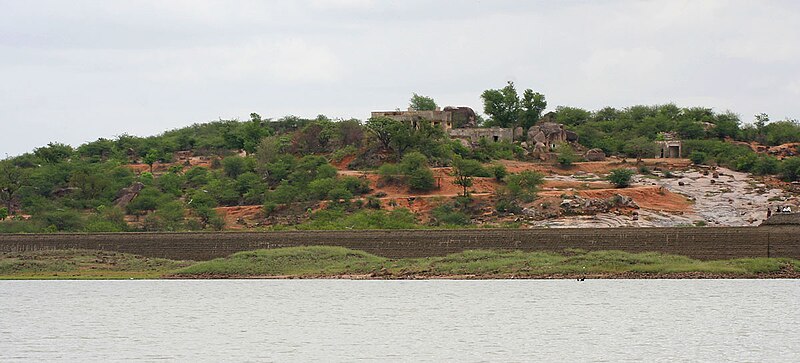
(83, 264)
(317, 261)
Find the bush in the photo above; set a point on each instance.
(61, 220)
(148, 199)
(698, 157)
(269, 208)
(621, 178)
(421, 180)
(390, 174)
(499, 171)
(790, 169)
(566, 156)
(373, 202)
(447, 214)
(3, 213)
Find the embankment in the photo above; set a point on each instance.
(700, 243)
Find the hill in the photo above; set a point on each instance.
(390, 172)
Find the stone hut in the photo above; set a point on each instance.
(670, 147)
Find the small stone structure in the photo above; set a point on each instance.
(670, 147)
(494, 134)
(436, 118)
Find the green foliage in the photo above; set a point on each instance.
(519, 188)
(698, 157)
(331, 219)
(639, 147)
(566, 155)
(447, 214)
(418, 175)
(3, 213)
(54, 153)
(64, 220)
(507, 109)
(621, 178)
(422, 103)
(149, 199)
(498, 171)
(464, 170)
(790, 169)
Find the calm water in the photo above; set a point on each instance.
(324, 320)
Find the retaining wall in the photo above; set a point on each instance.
(701, 243)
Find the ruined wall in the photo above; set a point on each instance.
(702, 243)
(783, 219)
(490, 133)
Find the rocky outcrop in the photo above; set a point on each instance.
(126, 195)
(549, 134)
(595, 155)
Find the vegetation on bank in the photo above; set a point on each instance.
(84, 264)
(325, 261)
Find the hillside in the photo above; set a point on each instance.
(388, 173)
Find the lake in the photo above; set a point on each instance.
(439, 320)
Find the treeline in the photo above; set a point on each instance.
(632, 131)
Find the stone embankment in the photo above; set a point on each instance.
(701, 243)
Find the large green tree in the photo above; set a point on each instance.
(507, 109)
(422, 103)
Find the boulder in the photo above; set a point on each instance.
(571, 136)
(126, 195)
(595, 155)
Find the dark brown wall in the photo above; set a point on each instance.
(702, 243)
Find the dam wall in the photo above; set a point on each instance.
(696, 242)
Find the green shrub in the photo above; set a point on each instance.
(269, 208)
(499, 171)
(390, 174)
(566, 156)
(790, 169)
(448, 215)
(621, 178)
(421, 180)
(698, 157)
(3, 213)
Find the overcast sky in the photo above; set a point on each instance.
(73, 71)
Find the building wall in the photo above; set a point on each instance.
(669, 149)
(439, 118)
(702, 243)
(490, 133)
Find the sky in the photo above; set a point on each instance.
(75, 71)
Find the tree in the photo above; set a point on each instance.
(520, 187)
(12, 180)
(382, 127)
(508, 110)
(621, 178)
(54, 152)
(419, 176)
(533, 103)
(422, 103)
(502, 105)
(464, 170)
(639, 147)
(151, 158)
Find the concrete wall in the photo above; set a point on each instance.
(702, 243)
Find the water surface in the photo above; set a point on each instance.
(340, 320)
